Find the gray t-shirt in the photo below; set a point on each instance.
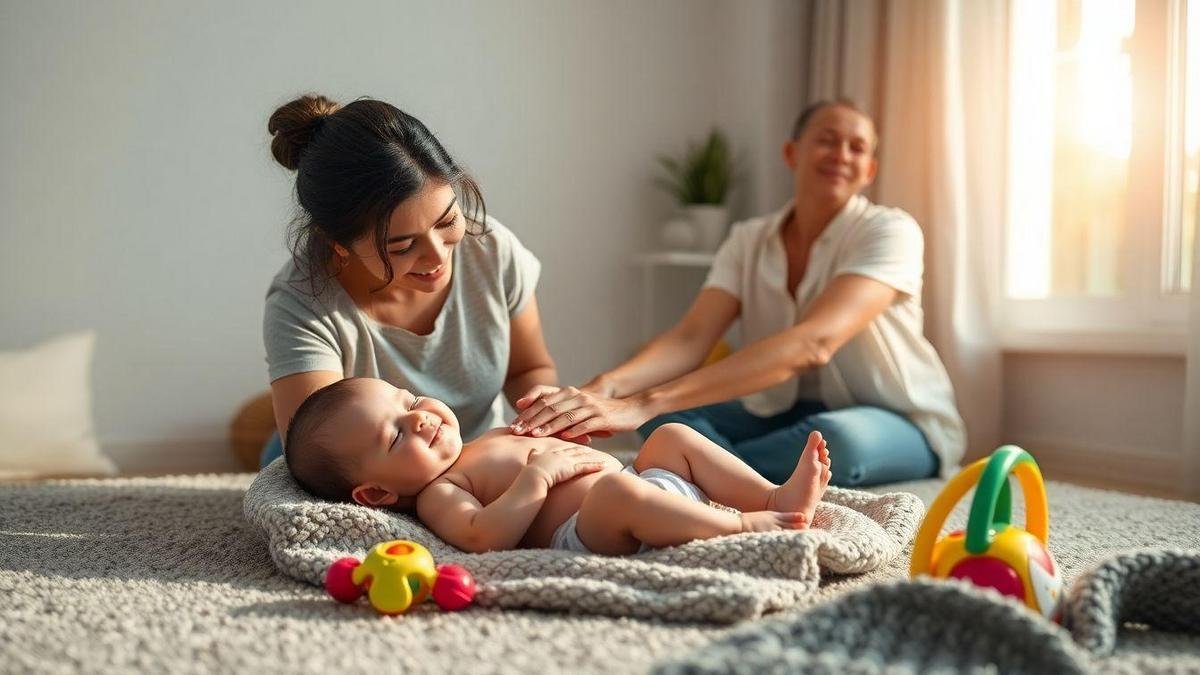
(462, 362)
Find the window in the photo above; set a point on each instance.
(1186, 168)
(1104, 156)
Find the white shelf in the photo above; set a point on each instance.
(652, 264)
(676, 258)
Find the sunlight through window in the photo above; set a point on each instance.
(1191, 163)
(1104, 150)
(1072, 128)
(1094, 124)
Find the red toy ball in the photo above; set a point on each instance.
(454, 588)
(338, 582)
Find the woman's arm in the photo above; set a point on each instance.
(529, 362)
(675, 352)
(846, 306)
(288, 392)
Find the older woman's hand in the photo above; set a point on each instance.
(569, 412)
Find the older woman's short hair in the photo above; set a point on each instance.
(806, 115)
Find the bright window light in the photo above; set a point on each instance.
(1103, 170)
(1072, 125)
(1191, 162)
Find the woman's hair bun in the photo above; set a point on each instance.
(294, 124)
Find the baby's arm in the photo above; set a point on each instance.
(454, 514)
(457, 516)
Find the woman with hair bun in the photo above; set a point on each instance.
(397, 272)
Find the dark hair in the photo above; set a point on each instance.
(354, 164)
(314, 464)
(806, 115)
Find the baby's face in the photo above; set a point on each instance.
(397, 441)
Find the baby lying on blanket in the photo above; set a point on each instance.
(363, 440)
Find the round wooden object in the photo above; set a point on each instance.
(252, 425)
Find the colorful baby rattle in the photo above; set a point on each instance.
(398, 575)
(992, 552)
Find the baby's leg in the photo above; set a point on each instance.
(730, 481)
(721, 475)
(621, 512)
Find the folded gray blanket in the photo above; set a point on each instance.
(927, 626)
(1158, 588)
(719, 580)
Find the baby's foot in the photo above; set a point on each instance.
(807, 484)
(768, 521)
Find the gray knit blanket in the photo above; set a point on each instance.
(928, 626)
(722, 580)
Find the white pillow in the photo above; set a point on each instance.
(46, 411)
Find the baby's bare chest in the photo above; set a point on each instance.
(491, 470)
(497, 461)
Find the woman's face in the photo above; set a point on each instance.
(422, 233)
(834, 157)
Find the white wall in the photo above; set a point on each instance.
(1113, 421)
(138, 197)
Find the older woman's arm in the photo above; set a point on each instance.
(678, 350)
(847, 305)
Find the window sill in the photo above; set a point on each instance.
(1114, 343)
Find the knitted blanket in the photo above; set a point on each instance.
(727, 579)
(928, 626)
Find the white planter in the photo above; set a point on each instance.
(679, 234)
(712, 223)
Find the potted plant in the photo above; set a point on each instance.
(701, 181)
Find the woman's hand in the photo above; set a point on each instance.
(568, 412)
(520, 426)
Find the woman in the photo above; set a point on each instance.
(397, 272)
(828, 294)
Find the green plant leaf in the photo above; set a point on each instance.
(703, 175)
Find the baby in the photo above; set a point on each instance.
(363, 440)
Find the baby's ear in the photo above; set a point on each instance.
(373, 495)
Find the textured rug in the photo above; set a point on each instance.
(166, 575)
(724, 580)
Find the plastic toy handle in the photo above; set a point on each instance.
(935, 518)
(993, 491)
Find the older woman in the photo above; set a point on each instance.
(828, 294)
(397, 273)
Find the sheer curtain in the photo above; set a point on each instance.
(933, 75)
(1191, 408)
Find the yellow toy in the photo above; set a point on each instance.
(992, 552)
(397, 575)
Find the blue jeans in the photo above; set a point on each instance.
(273, 449)
(867, 445)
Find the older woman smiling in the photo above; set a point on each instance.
(827, 291)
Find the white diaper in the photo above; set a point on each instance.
(567, 539)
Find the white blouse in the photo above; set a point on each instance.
(889, 364)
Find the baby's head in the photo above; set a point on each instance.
(363, 440)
